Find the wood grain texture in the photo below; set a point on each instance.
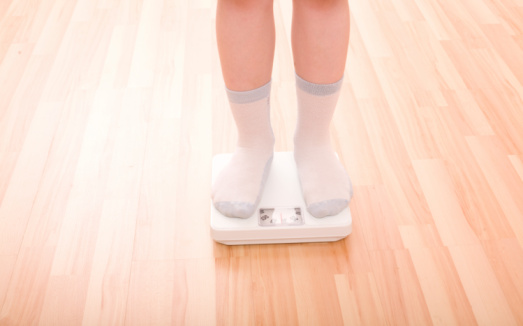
(111, 111)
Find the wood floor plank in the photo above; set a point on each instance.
(444, 205)
(385, 138)
(435, 16)
(400, 288)
(420, 236)
(179, 292)
(503, 257)
(483, 212)
(49, 208)
(272, 273)
(467, 113)
(18, 114)
(234, 293)
(356, 150)
(24, 183)
(503, 110)
(483, 291)
(378, 223)
(30, 276)
(113, 191)
(373, 35)
(152, 292)
(314, 267)
(6, 271)
(442, 290)
(517, 162)
(411, 122)
(501, 177)
(109, 278)
(359, 300)
(360, 71)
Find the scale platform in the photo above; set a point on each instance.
(281, 216)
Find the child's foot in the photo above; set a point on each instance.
(237, 190)
(326, 186)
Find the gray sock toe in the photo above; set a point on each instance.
(327, 207)
(235, 209)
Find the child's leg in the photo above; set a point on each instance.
(320, 37)
(246, 39)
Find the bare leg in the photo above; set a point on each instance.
(245, 34)
(320, 37)
(246, 39)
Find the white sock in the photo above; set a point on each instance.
(237, 190)
(326, 187)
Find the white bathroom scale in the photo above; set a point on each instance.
(281, 216)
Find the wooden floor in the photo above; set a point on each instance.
(111, 111)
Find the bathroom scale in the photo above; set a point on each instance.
(281, 216)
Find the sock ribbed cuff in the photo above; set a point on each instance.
(249, 96)
(318, 89)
